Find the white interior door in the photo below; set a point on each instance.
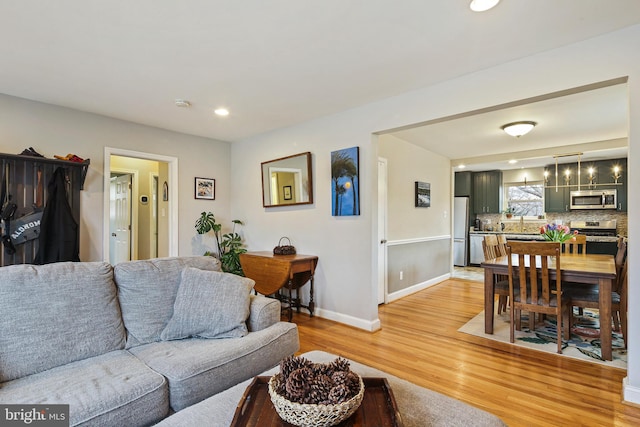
(120, 219)
(382, 230)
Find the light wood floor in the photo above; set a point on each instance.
(419, 342)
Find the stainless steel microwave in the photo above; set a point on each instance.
(594, 199)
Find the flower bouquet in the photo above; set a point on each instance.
(557, 233)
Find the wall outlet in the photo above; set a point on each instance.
(401, 275)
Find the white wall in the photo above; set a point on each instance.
(55, 130)
(408, 163)
(346, 281)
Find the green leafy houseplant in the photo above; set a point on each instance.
(229, 245)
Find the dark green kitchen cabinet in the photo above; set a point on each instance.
(606, 180)
(487, 192)
(557, 201)
(594, 175)
(463, 184)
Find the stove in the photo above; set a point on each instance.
(594, 228)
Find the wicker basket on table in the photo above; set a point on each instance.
(332, 409)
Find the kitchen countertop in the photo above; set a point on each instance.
(538, 236)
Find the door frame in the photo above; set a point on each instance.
(382, 291)
(173, 195)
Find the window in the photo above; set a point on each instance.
(525, 200)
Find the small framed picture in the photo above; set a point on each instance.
(205, 188)
(423, 194)
(286, 192)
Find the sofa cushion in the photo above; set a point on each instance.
(55, 314)
(147, 291)
(263, 312)
(114, 389)
(209, 304)
(198, 368)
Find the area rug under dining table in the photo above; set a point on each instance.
(583, 344)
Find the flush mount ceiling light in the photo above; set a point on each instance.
(221, 112)
(182, 103)
(518, 129)
(482, 5)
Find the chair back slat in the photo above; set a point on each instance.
(492, 249)
(534, 280)
(577, 246)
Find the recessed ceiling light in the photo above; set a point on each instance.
(221, 112)
(513, 161)
(182, 103)
(482, 5)
(461, 166)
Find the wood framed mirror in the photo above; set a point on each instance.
(287, 181)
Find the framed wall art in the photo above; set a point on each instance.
(286, 192)
(423, 194)
(345, 190)
(205, 188)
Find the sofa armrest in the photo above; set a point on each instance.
(263, 312)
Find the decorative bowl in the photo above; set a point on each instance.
(313, 415)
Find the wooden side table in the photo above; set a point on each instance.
(273, 272)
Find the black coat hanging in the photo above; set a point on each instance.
(58, 240)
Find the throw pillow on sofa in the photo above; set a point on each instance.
(209, 304)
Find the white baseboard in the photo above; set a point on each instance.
(356, 322)
(417, 287)
(630, 394)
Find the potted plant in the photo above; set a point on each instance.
(229, 245)
(508, 212)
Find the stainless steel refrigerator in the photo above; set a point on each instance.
(460, 230)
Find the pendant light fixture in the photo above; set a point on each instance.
(518, 129)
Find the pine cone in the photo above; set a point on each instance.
(323, 384)
(321, 369)
(340, 364)
(291, 363)
(340, 378)
(338, 394)
(353, 382)
(280, 385)
(298, 384)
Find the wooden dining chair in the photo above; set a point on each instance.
(502, 244)
(500, 281)
(587, 296)
(531, 288)
(577, 246)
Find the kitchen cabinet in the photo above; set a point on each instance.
(463, 184)
(607, 181)
(476, 254)
(560, 201)
(487, 192)
(557, 201)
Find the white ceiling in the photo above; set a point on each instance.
(280, 62)
(592, 122)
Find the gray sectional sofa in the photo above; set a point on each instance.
(131, 344)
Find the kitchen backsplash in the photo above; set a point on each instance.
(514, 225)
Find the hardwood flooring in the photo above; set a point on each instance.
(419, 342)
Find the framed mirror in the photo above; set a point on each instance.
(287, 181)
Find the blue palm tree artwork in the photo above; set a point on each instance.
(345, 189)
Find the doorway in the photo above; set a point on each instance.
(154, 219)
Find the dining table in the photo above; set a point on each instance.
(598, 269)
